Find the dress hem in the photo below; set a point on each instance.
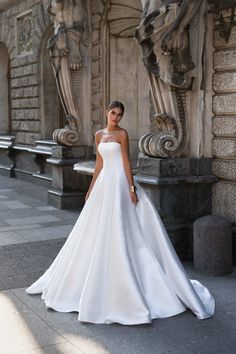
(108, 321)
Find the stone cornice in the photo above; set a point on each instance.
(4, 4)
(221, 4)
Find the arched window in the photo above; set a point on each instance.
(4, 90)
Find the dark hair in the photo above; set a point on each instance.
(116, 104)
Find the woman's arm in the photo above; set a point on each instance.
(124, 139)
(98, 165)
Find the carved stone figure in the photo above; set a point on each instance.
(69, 18)
(163, 34)
(24, 26)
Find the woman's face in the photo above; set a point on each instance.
(114, 116)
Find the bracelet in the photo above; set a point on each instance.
(132, 189)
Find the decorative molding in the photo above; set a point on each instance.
(4, 4)
(225, 20)
(24, 30)
(218, 5)
(124, 17)
(166, 137)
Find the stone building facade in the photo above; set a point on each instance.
(224, 123)
(201, 180)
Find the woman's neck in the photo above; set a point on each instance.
(112, 129)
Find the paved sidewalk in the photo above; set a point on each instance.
(31, 234)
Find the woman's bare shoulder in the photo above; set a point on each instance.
(123, 133)
(122, 137)
(98, 136)
(99, 133)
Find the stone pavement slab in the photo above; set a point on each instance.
(13, 204)
(20, 213)
(46, 208)
(2, 224)
(31, 220)
(59, 348)
(19, 227)
(47, 233)
(21, 329)
(9, 237)
(22, 263)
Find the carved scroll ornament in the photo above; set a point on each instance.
(69, 27)
(163, 34)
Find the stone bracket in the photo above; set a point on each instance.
(41, 152)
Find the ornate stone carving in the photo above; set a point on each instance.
(224, 25)
(218, 5)
(163, 34)
(24, 34)
(123, 17)
(65, 51)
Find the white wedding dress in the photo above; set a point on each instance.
(118, 264)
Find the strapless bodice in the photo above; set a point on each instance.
(111, 154)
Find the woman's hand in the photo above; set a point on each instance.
(134, 198)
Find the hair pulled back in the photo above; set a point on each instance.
(116, 104)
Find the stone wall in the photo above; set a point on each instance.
(224, 124)
(4, 90)
(22, 27)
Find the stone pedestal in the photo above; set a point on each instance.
(7, 157)
(180, 189)
(213, 245)
(68, 187)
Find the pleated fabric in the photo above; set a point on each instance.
(118, 263)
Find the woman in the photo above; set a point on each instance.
(118, 264)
